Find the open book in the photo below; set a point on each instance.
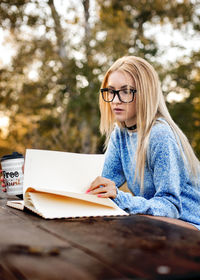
(55, 184)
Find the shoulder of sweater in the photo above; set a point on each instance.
(118, 136)
(117, 132)
(161, 132)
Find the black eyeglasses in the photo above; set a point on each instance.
(125, 95)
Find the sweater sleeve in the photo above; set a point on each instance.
(166, 166)
(112, 165)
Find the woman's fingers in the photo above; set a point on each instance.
(99, 181)
(102, 187)
(106, 195)
(99, 190)
(2, 183)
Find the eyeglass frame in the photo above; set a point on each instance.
(116, 92)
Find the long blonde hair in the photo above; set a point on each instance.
(150, 105)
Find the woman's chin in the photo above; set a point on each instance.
(121, 120)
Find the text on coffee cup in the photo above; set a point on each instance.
(7, 175)
(11, 178)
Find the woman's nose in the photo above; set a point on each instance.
(116, 99)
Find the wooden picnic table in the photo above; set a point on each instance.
(129, 247)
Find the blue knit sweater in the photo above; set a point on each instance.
(168, 190)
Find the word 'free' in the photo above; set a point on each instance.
(7, 175)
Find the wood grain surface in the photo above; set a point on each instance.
(131, 247)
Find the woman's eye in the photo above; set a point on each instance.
(125, 91)
(110, 91)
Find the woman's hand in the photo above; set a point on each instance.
(103, 187)
(2, 182)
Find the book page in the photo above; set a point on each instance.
(51, 206)
(86, 197)
(18, 204)
(61, 170)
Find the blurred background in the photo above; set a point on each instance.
(54, 54)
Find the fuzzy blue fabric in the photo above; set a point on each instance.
(168, 190)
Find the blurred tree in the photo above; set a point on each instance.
(124, 25)
(50, 90)
(37, 106)
(185, 78)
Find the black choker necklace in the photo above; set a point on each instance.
(133, 127)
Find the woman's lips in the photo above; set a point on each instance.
(118, 110)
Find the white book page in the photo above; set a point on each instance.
(51, 206)
(61, 170)
(80, 196)
(18, 204)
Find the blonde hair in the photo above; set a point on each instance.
(150, 105)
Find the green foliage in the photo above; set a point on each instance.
(187, 112)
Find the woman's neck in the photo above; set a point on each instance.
(132, 127)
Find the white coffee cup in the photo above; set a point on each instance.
(12, 172)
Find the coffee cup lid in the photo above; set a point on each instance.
(12, 156)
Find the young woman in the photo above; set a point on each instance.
(145, 148)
